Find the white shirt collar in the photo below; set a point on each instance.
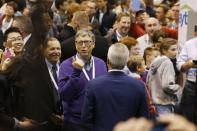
(49, 65)
(116, 70)
(26, 38)
(119, 36)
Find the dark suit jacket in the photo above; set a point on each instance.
(28, 45)
(66, 33)
(108, 21)
(35, 99)
(100, 50)
(1, 40)
(6, 120)
(113, 98)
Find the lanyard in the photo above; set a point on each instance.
(93, 70)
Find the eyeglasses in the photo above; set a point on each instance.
(15, 38)
(84, 43)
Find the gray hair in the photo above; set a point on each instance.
(83, 33)
(118, 55)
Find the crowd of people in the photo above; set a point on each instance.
(95, 65)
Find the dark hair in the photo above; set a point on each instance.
(39, 34)
(58, 3)
(139, 13)
(39, 29)
(45, 44)
(10, 30)
(159, 34)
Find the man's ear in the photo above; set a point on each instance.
(138, 68)
(93, 45)
(4, 44)
(108, 64)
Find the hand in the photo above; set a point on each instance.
(176, 123)
(78, 64)
(57, 119)
(5, 64)
(134, 124)
(27, 124)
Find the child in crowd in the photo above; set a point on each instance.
(136, 65)
(150, 53)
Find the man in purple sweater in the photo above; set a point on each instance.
(74, 74)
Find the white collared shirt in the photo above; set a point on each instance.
(144, 42)
(188, 52)
(6, 25)
(119, 36)
(101, 14)
(26, 38)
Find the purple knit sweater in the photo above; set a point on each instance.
(72, 84)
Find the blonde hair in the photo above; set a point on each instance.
(134, 62)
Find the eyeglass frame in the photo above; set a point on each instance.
(85, 43)
(15, 38)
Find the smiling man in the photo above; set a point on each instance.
(151, 25)
(74, 74)
(122, 27)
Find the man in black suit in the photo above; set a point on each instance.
(100, 50)
(24, 24)
(105, 16)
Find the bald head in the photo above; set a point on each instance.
(152, 25)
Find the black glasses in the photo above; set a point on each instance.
(84, 43)
(15, 38)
